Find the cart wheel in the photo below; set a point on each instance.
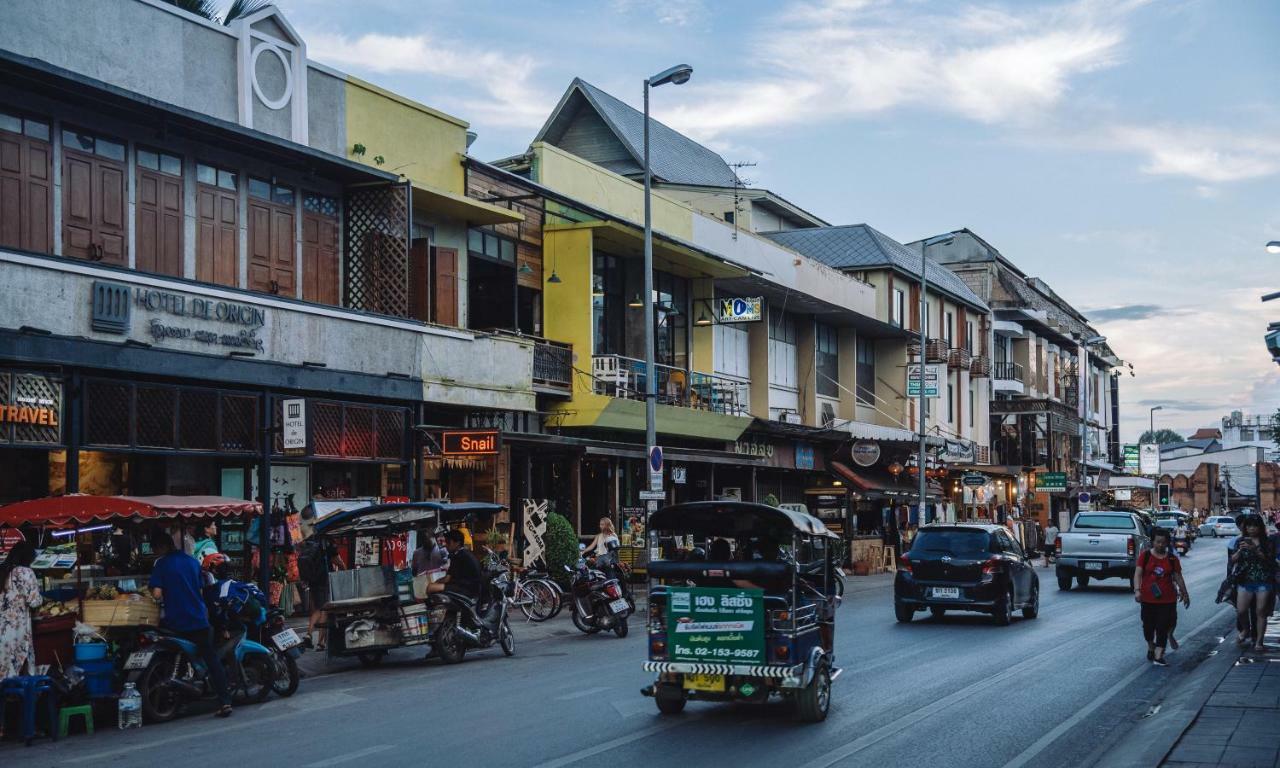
(505, 638)
(370, 659)
(669, 698)
(814, 700)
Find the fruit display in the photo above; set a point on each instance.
(102, 592)
(53, 609)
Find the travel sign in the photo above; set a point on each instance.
(716, 625)
(1051, 482)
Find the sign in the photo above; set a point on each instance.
(974, 479)
(1051, 482)
(932, 377)
(469, 442)
(1149, 459)
(753, 446)
(958, 451)
(201, 321)
(9, 537)
(294, 427)
(709, 625)
(653, 495)
(740, 310)
(655, 468)
(679, 475)
(1124, 494)
(1132, 464)
(804, 456)
(535, 529)
(865, 453)
(30, 409)
(1084, 497)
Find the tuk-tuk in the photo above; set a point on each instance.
(373, 609)
(742, 601)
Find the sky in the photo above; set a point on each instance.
(1127, 152)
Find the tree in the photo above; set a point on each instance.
(1275, 427)
(207, 9)
(1161, 437)
(561, 547)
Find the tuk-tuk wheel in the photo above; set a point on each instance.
(813, 701)
(669, 698)
(371, 658)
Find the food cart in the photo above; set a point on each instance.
(373, 607)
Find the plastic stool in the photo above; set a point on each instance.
(29, 688)
(84, 711)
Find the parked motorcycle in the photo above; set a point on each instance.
(286, 647)
(460, 624)
(598, 601)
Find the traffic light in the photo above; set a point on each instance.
(1163, 494)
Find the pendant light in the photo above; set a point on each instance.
(554, 279)
(636, 302)
(702, 320)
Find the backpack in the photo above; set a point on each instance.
(311, 564)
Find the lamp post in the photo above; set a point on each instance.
(921, 404)
(1091, 341)
(1152, 427)
(677, 75)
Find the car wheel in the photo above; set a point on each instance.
(1064, 583)
(1032, 608)
(1082, 581)
(1002, 612)
(938, 613)
(904, 613)
(669, 698)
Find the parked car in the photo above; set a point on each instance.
(963, 567)
(1100, 545)
(1220, 525)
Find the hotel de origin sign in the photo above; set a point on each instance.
(198, 323)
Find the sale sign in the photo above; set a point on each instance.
(716, 625)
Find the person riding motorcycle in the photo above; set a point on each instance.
(464, 576)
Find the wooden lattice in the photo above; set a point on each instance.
(390, 433)
(377, 234)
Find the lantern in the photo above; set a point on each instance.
(895, 469)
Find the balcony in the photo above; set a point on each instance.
(958, 358)
(935, 350)
(624, 377)
(1008, 377)
(552, 367)
(980, 366)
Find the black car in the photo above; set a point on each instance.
(964, 567)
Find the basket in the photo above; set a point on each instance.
(413, 624)
(120, 613)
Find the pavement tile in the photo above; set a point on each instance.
(1221, 713)
(1244, 757)
(1245, 737)
(1248, 700)
(1196, 753)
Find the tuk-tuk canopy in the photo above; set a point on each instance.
(401, 516)
(735, 518)
(74, 510)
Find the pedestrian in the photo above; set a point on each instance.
(314, 556)
(1050, 540)
(207, 544)
(177, 586)
(430, 554)
(1253, 569)
(1157, 575)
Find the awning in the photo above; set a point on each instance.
(80, 509)
(689, 455)
(878, 484)
(434, 199)
(864, 431)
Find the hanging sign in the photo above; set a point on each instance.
(865, 453)
(974, 479)
(294, 427)
(804, 456)
(932, 377)
(679, 475)
(469, 442)
(1132, 464)
(1051, 482)
(30, 408)
(1149, 459)
(740, 310)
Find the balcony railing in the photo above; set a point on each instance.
(624, 377)
(958, 357)
(1011, 371)
(552, 366)
(980, 366)
(935, 350)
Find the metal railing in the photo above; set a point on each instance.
(624, 377)
(935, 350)
(958, 357)
(980, 366)
(1011, 371)
(552, 364)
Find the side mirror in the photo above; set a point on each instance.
(582, 547)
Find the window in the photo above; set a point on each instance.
(217, 225)
(729, 216)
(670, 322)
(972, 403)
(951, 402)
(489, 245)
(36, 129)
(608, 304)
(159, 161)
(898, 309)
(95, 145)
(968, 336)
(949, 328)
(26, 183)
(492, 296)
(732, 355)
(216, 177)
(828, 351)
(782, 350)
(265, 190)
(866, 371)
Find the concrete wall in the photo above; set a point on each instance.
(417, 141)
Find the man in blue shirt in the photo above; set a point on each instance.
(176, 582)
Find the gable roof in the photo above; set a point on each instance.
(858, 245)
(1207, 433)
(674, 157)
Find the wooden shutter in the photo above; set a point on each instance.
(319, 258)
(445, 278)
(93, 208)
(271, 248)
(284, 265)
(159, 208)
(217, 243)
(26, 193)
(420, 280)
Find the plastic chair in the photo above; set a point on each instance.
(83, 711)
(28, 688)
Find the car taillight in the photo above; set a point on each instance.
(1057, 546)
(1131, 546)
(990, 567)
(905, 562)
(612, 590)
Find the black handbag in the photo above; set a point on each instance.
(1227, 591)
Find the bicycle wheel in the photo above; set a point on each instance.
(537, 600)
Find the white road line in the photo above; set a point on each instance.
(1044, 741)
(582, 694)
(339, 759)
(574, 757)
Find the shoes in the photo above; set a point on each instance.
(1160, 662)
(1151, 654)
(1173, 642)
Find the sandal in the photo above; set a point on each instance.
(224, 711)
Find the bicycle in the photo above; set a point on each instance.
(537, 596)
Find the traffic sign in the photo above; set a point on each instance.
(655, 467)
(1084, 497)
(653, 495)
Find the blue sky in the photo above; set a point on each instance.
(1125, 151)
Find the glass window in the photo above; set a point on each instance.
(968, 336)
(227, 179)
(972, 402)
(80, 141)
(112, 150)
(782, 350)
(608, 304)
(1104, 522)
(320, 204)
(949, 328)
(36, 129)
(475, 241)
(828, 351)
(898, 308)
(951, 403)
(955, 541)
(866, 386)
(508, 251)
(206, 174)
(11, 123)
(282, 195)
(148, 159)
(171, 164)
(259, 188)
(490, 246)
(670, 319)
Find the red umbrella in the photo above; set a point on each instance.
(80, 509)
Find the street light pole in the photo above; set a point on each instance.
(677, 75)
(1151, 431)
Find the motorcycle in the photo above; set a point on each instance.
(461, 624)
(286, 647)
(598, 601)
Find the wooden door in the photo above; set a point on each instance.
(445, 279)
(26, 184)
(217, 236)
(93, 199)
(271, 239)
(320, 249)
(420, 279)
(159, 211)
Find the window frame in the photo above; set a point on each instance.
(864, 365)
(898, 307)
(827, 360)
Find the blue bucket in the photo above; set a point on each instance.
(99, 677)
(90, 651)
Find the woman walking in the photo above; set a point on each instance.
(1157, 575)
(1254, 567)
(19, 593)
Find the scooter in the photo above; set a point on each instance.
(460, 624)
(598, 602)
(170, 673)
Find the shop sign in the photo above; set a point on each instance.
(974, 479)
(1149, 459)
(294, 427)
(1051, 482)
(804, 456)
(469, 443)
(958, 451)
(713, 625)
(30, 409)
(679, 475)
(751, 446)
(9, 538)
(169, 316)
(865, 453)
(1132, 463)
(933, 374)
(741, 310)
(1124, 494)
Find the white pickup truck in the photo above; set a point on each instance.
(1100, 545)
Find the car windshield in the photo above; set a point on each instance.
(957, 542)
(1105, 522)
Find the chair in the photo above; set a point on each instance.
(28, 688)
(611, 375)
(83, 711)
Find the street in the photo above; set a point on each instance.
(1056, 691)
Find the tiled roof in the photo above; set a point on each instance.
(858, 245)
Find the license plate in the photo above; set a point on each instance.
(704, 683)
(619, 605)
(139, 659)
(1093, 566)
(286, 639)
(951, 592)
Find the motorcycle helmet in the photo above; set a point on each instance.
(217, 564)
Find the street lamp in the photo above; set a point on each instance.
(1091, 341)
(1152, 430)
(677, 75)
(1273, 246)
(922, 406)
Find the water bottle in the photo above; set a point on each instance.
(130, 707)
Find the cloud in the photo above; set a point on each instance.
(1125, 312)
(1213, 156)
(831, 59)
(1183, 405)
(506, 96)
(678, 13)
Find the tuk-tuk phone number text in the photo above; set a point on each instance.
(721, 653)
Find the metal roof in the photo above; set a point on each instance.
(674, 157)
(858, 245)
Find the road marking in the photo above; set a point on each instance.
(645, 733)
(582, 694)
(338, 759)
(1044, 741)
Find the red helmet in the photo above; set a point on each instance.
(214, 560)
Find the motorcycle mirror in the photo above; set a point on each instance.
(582, 547)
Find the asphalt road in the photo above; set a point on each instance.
(1055, 691)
